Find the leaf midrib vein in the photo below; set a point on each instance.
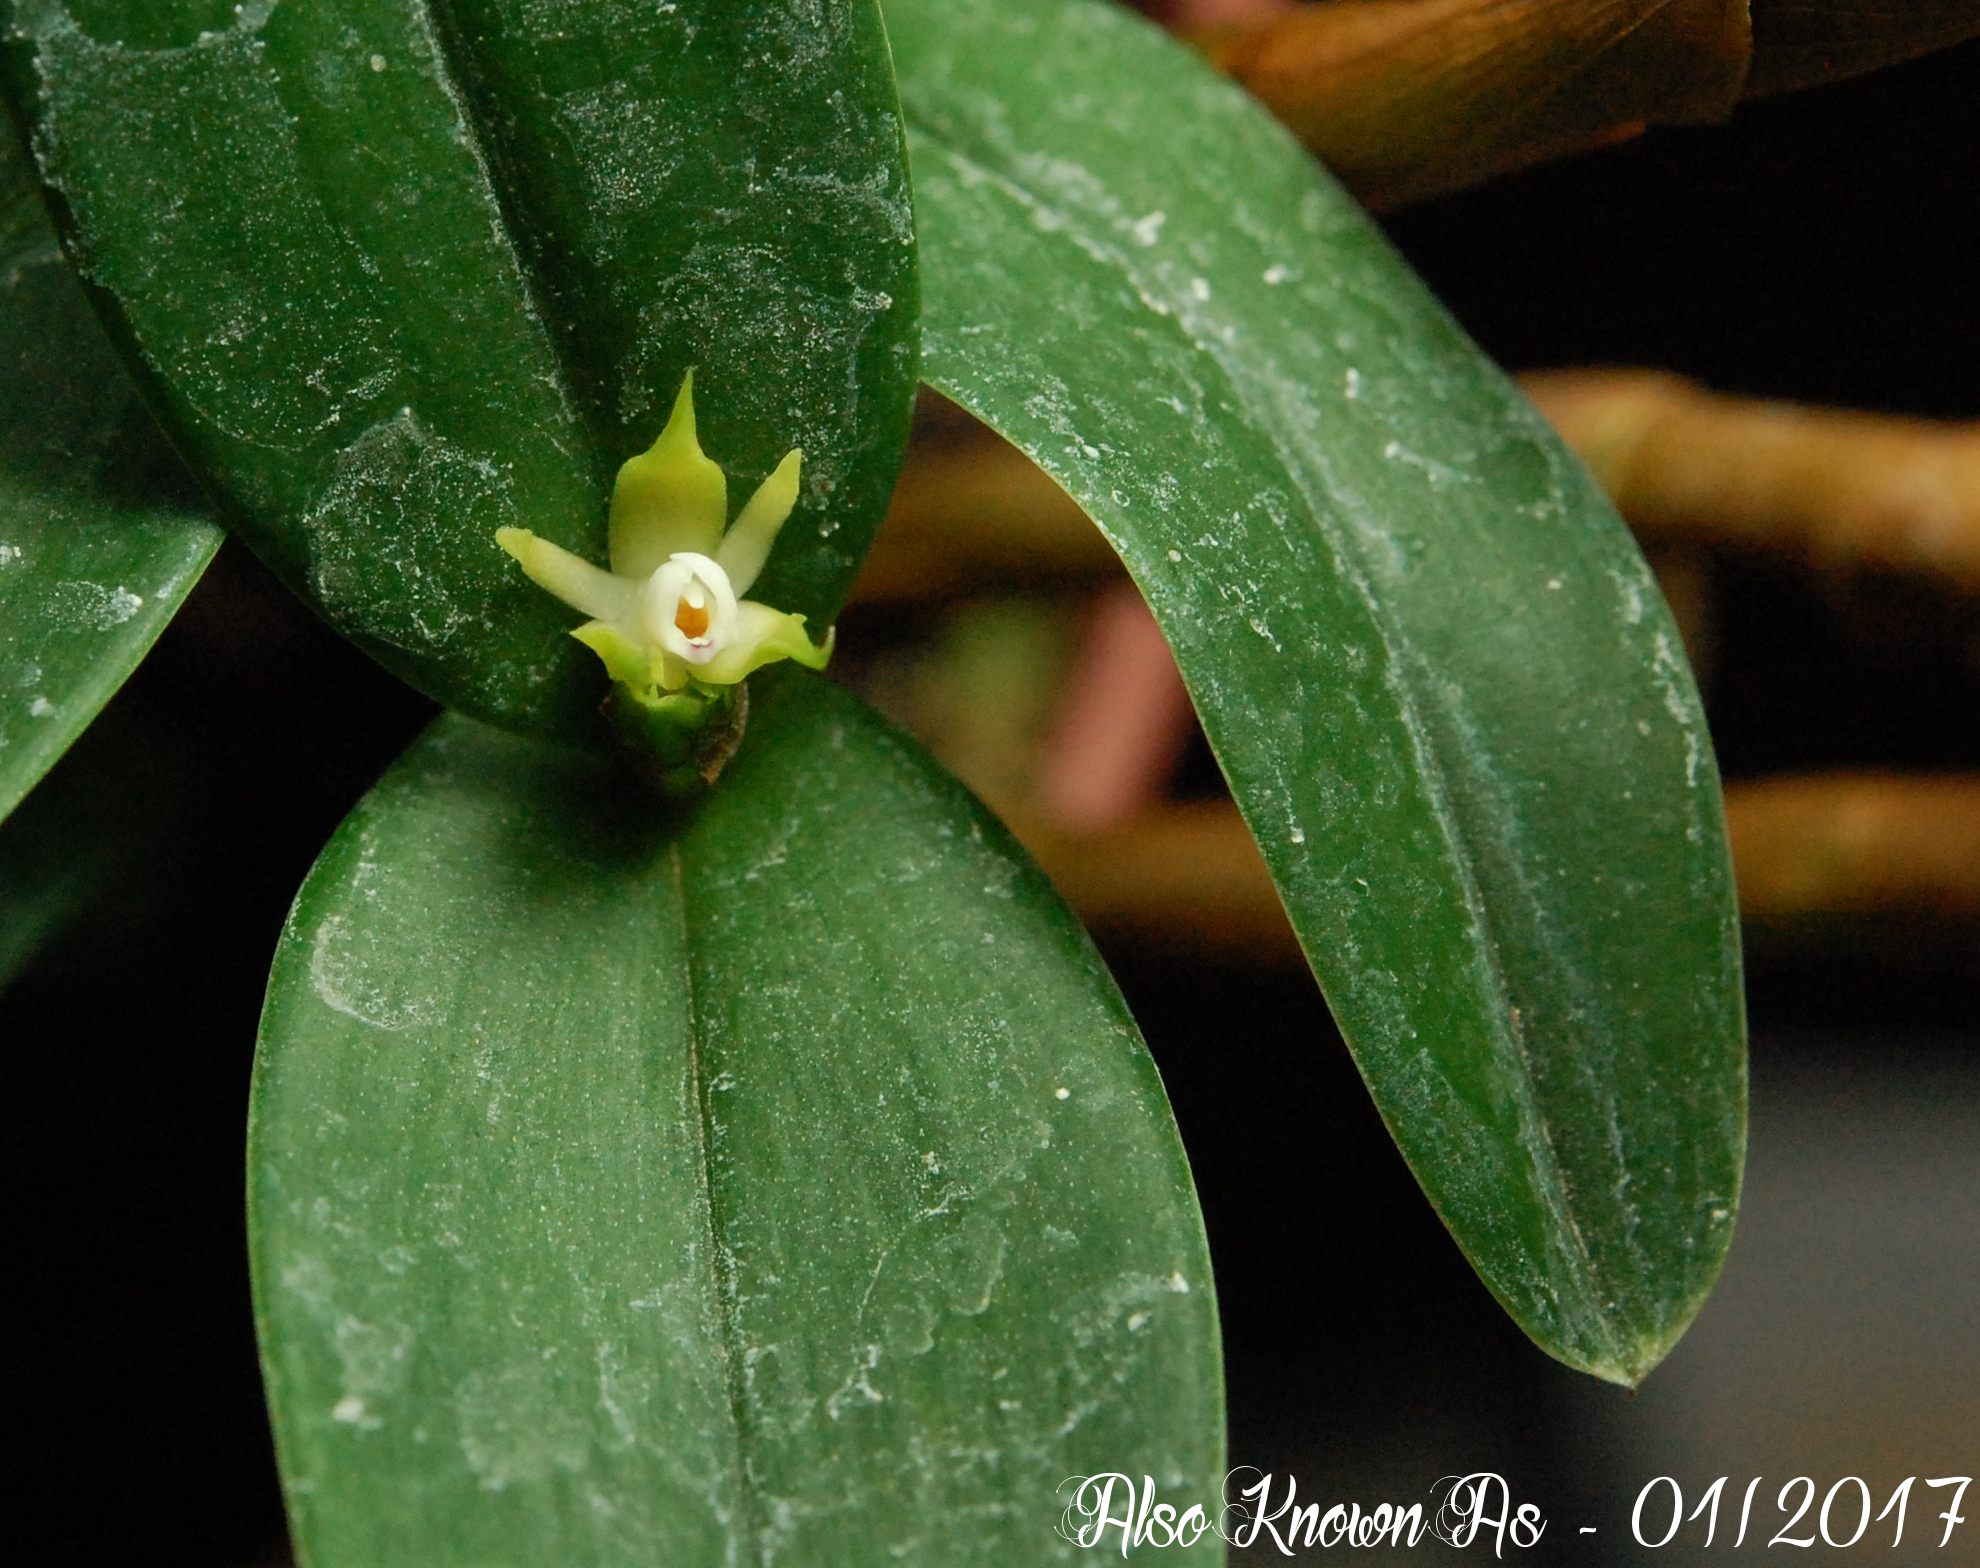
(720, 1273)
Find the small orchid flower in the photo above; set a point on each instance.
(669, 618)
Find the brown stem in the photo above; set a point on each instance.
(1188, 876)
(1405, 99)
(1827, 487)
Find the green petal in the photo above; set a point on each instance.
(669, 498)
(571, 578)
(763, 636)
(625, 661)
(746, 546)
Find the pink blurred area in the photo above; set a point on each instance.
(1123, 722)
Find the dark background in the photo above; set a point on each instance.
(1821, 246)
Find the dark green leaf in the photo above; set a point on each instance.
(1436, 671)
(789, 1185)
(103, 839)
(99, 541)
(52, 862)
(402, 273)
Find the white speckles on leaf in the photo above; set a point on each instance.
(789, 320)
(858, 1389)
(514, 1429)
(1682, 705)
(626, 145)
(1632, 592)
(1442, 475)
(399, 537)
(219, 89)
(93, 607)
(348, 978)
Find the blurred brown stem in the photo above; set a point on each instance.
(1406, 99)
(1803, 43)
(1832, 488)
(1180, 876)
(973, 508)
(1855, 843)
(1188, 876)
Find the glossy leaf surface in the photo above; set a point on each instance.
(1437, 673)
(786, 1185)
(403, 273)
(101, 535)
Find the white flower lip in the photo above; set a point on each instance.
(688, 607)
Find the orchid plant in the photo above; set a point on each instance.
(775, 1174)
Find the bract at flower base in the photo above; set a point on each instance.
(683, 739)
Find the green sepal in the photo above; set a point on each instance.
(670, 497)
(625, 661)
